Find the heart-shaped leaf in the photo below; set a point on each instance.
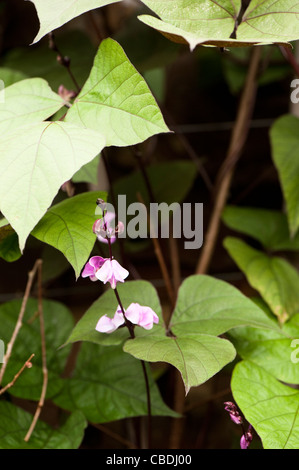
(67, 226)
(285, 153)
(117, 100)
(27, 102)
(53, 14)
(271, 407)
(271, 350)
(223, 23)
(15, 422)
(269, 227)
(198, 357)
(34, 163)
(274, 278)
(108, 385)
(211, 306)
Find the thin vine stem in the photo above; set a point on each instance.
(225, 174)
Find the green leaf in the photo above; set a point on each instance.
(274, 278)
(213, 23)
(109, 385)
(271, 407)
(270, 350)
(198, 357)
(285, 153)
(67, 226)
(116, 100)
(52, 15)
(269, 227)
(27, 102)
(211, 306)
(58, 323)
(15, 422)
(9, 246)
(141, 292)
(34, 163)
(88, 173)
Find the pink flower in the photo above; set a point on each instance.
(135, 313)
(246, 438)
(105, 269)
(111, 271)
(233, 412)
(108, 325)
(104, 228)
(92, 266)
(141, 315)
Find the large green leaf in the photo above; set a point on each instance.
(67, 226)
(269, 349)
(58, 323)
(34, 163)
(271, 407)
(274, 278)
(15, 422)
(116, 100)
(108, 385)
(53, 13)
(211, 306)
(27, 102)
(285, 153)
(198, 357)
(269, 227)
(212, 23)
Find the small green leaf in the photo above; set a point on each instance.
(67, 226)
(214, 23)
(108, 385)
(34, 163)
(116, 100)
(9, 245)
(274, 278)
(269, 227)
(271, 407)
(58, 323)
(15, 422)
(285, 153)
(52, 15)
(27, 102)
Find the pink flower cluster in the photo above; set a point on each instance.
(109, 270)
(137, 314)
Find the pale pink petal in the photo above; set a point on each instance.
(132, 313)
(141, 315)
(112, 272)
(106, 325)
